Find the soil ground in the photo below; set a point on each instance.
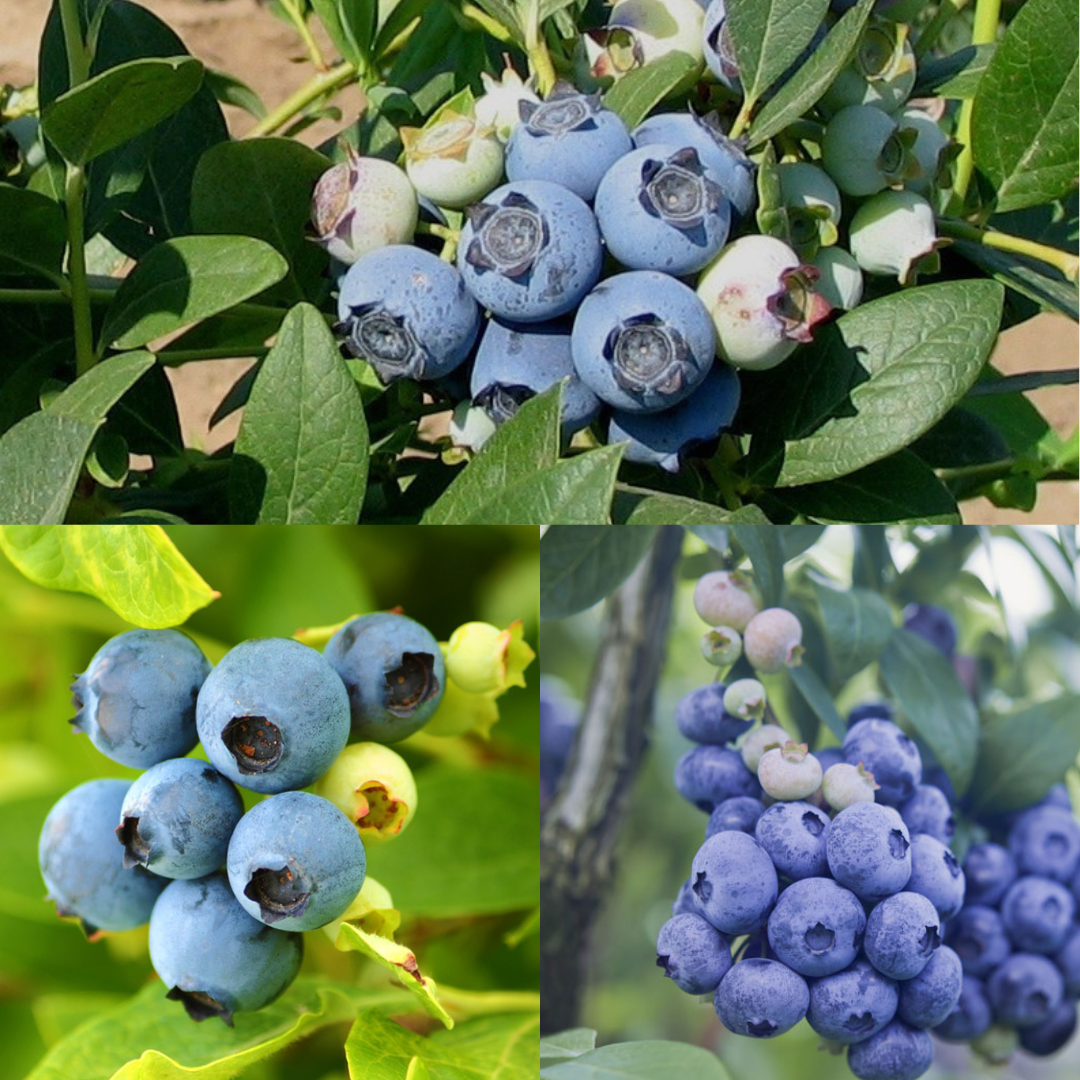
(243, 38)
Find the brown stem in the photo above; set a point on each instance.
(581, 825)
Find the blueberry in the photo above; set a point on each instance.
(989, 870)
(1067, 959)
(881, 71)
(516, 361)
(902, 933)
(773, 640)
(894, 234)
(880, 710)
(569, 138)
(83, 866)
(789, 772)
(864, 152)
(453, 159)
(740, 812)
(660, 208)
(707, 775)
(829, 756)
(896, 1052)
(213, 956)
(795, 834)
(393, 671)
(1024, 989)
(978, 936)
(931, 150)
(177, 818)
(869, 850)
(972, 1015)
(933, 624)
(816, 927)
(939, 778)
(719, 52)
(664, 438)
(273, 715)
(1037, 913)
(734, 882)
(1049, 1036)
(853, 1004)
(930, 997)
(928, 811)
(726, 598)
(760, 740)
(1046, 840)
(136, 699)
(842, 785)
(407, 313)
(761, 998)
(295, 861)
(936, 874)
(642, 341)
(559, 715)
(685, 901)
(693, 953)
(811, 203)
(889, 754)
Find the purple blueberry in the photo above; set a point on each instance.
(1067, 959)
(1037, 913)
(930, 998)
(816, 927)
(558, 725)
(897, 1052)
(1024, 989)
(693, 953)
(1049, 1036)
(761, 998)
(740, 812)
(978, 936)
(936, 874)
(853, 1004)
(869, 850)
(734, 882)
(989, 870)
(928, 811)
(700, 716)
(707, 775)
(1046, 840)
(972, 1015)
(933, 624)
(686, 900)
(889, 754)
(795, 834)
(902, 933)
(869, 710)
(829, 756)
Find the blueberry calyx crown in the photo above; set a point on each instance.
(199, 1005)
(647, 355)
(136, 846)
(501, 401)
(411, 683)
(78, 695)
(563, 110)
(254, 742)
(798, 307)
(279, 893)
(509, 237)
(677, 190)
(386, 341)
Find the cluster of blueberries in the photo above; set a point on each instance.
(612, 258)
(273, 717)
(835, 870)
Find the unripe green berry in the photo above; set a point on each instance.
(374, 788)
(843, 785)
(758, 741)
(789, 772)
(745, 698)
(721, 646)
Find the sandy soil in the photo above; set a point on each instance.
(243, 38)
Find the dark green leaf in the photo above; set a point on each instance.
(566, 1044)
(20, 392)
(639, 506)
(1028, 277)
(90, 397)
(954, 76)
(762, 546)
(961, 438)
(33, 234)
(648, 1060)
(350, 26)
(582, 564)
(635, 95)
(922, 681)
(816, 694)
(858, 624)
(301, 456)
(795, 539)
(232, 91)
(1024, 133)
(146, 416)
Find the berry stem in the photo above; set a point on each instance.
(742, 120)
(947, 9)
(984, 31)
(322, 83)
(296, 17)
(1064, 261)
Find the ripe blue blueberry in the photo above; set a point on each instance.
(642, 341)
(972, 1015)
(734, 882)
(393, 671)
(660, 208)
(816, 927)
(1024, 989)
(83, 865)
(869, 850)
(880, 710)
(177, 818)
(273, 715)
(530, 250)
(213, 956)
(739, 812)
(1049, 1036)
(829, 756)
(1067, 959)
(569, 138)
(516, 361)
(902, 933)
(853, 1004)
(795, 834)
(685, 901)
(937, 777)
(929, 998)
(889, 754)
(1037, 913)
(559, 715)
(693, 953)
(896, 1052)
(978, 936)
(1046, 840)
(989, 870)
(136, 699)
(928, 811)
(407, 313)
(707, 775)
(295, 861)
(936, 874)
(700, 716)
(664, 438)
(932, 623)
(761, 998)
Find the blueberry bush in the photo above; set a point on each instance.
(573, 262)
(857, 834)
(242, 877)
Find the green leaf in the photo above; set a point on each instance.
(451, 866)
(301, 457)
(351, 27)
(501, 1047)
(955, 76)
(581, 565)
(924, 685)
(768, 36)
(813, 78)
(230, 90)
(816, 695)
(648, 1060)
(795, 539)
(762, 546)
(185, 280)
(115, 106)
(857, 623)
(639, 506)
(566, 1044)
(877, 379)
(1028, 277)
(1024, 133)
(635, 95)
(135, 570)
(33, 234)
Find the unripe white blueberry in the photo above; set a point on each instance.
(497, 108)
(894, 234)
(758, 741)
(745, 698)
(773, 641)
(726, 598)
(841, 280)
(789, 772)
(842, 785)
(721, 646)
(641, 31)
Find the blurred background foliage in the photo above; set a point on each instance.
(274, 581)
(1013, 593)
